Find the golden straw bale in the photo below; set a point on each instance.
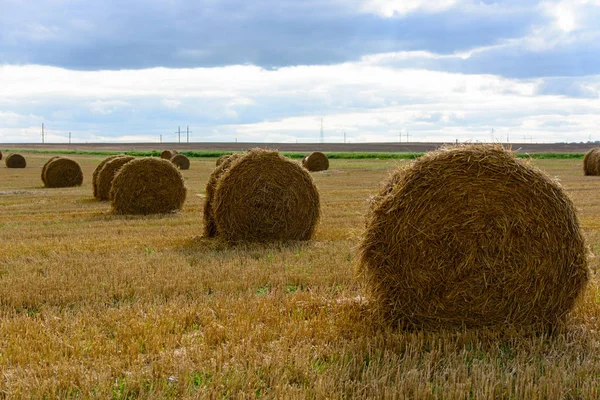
(473, 236)
(223, 158)
(316, 161)
(210, 228)
(43, 175)
(264, 196)
(97, 171)
(591, 162)
(15, 161)
(181, 161)
(168, 154)
(63, 172)
(107, 174)
(148, 186)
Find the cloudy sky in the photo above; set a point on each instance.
(266, 70)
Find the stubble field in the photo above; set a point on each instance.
(94, 305)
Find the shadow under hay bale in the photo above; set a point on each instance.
(168, 154)
(315, 162)
(15, 161)
(148, 186)
(181, 161)
(107, 174)
(63, 172)
(264, 196)
(97, 172)
(43, 175)
(472, 236)
(591, 162)
(210, 227)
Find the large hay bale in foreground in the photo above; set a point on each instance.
(264, 196)
(168, 154)
(107, 174)
(472, 236)
(591, 162)
(181, 161)
(97, 171)
(316, 161)
(15, 161)
(210, 227)
(43, 175)
(63, 172)
(148, 186)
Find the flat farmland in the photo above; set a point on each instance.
(95, 305)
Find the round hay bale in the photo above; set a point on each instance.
(472, 236)
(97, 171)
(264, 196)
(0, 155)
(46, 166)
(107, 174)
(210, 227)
(63, 172)
(181, 161)
(15, 161)
(222, 158)
(316, 161)
(591, 162)
(168, 154)
(148, 186)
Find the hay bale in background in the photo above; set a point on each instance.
(107, 174)
(148, 186)
(181, 161)
(222, 158)
(264, 196)
(591, 162)
(0, 155)
(210, 227)
(168, 154)
(62, 172)
(46, 166)
(15, 161)
(316, 161)
(472, 236)
(97, 171)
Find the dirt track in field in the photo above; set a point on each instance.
(299, 147)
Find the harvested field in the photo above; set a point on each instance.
(97, 305)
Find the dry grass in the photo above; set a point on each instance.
(95, 305)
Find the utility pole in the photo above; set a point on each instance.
(492, 135)
(161, 138)
(400, 137)
(407, 135)
(42, 133)
(322, 137)
(507, 138)
(344, 137)
(69, 137)
(179, 133)
(188, 134)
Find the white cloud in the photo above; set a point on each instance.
(391, 8)
(172, 104)
(367, 100)
(106, 107)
